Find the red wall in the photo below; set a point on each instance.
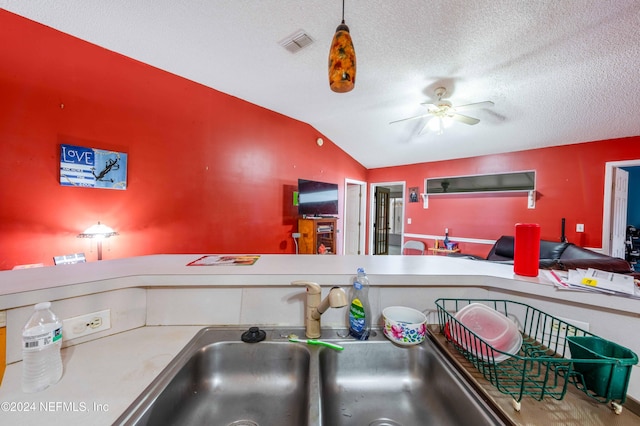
(207, 172)
(569, 183)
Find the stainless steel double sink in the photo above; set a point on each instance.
(217, 379)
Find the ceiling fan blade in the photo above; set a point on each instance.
(429, 105)
(424, 128)
(411, 118)
(474, 106)
(465, 119)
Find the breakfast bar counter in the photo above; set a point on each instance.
(153, 297)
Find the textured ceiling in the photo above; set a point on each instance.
(559, 72)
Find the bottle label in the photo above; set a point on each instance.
(42, 340)
(357, 285)
(356, 316)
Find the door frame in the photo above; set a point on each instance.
(608, 202)
(372, 210)
(362, 214)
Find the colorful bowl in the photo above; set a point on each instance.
(404, 326)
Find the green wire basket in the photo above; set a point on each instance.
(554, 353)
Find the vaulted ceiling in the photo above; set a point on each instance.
(558, 72)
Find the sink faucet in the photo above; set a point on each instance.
(336, 298)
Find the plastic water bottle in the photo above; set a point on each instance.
(41, 342)
(359, 308)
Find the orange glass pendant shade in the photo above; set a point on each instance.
(342, 61)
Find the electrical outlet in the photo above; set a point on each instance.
(580, 227)
(579, 324)
(84, 325)
(556, 329)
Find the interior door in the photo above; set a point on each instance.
(352, 225)
(381, 221)
(619, 214)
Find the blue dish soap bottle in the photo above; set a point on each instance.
(359, 308)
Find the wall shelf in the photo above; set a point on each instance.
(503, 183)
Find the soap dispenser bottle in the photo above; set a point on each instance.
(359, 308)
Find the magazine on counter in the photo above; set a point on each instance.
(225, 260)
(595, 280)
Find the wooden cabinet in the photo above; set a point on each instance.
(317, 236)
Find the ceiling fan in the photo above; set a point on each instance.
(443, 113)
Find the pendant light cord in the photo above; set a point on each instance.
(343, 11)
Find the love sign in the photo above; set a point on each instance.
(92, 168)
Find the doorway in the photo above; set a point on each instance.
(355, 200)
(615, 212)
(391, 232)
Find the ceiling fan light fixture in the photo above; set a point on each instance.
(438, 124)
(342, 59)
(442, 113)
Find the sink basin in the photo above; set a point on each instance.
(228, 383)
(218, 379)
(380, 384)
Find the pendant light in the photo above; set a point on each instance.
(342, 59)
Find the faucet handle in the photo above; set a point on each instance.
(337, 297)
(314, 293)
(312, 288)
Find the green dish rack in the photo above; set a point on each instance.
(554, 353)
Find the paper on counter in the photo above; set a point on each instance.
(609, 281)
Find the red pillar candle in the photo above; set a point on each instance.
(526, 251)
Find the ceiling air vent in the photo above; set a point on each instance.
(296, 42)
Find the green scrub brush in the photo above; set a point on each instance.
(294, 338)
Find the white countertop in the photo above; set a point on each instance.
(30, 286)
(104, 376)
(101, 378)
(270, 269)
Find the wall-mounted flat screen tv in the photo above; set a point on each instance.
(317, 198)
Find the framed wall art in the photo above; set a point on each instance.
(92, 167)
